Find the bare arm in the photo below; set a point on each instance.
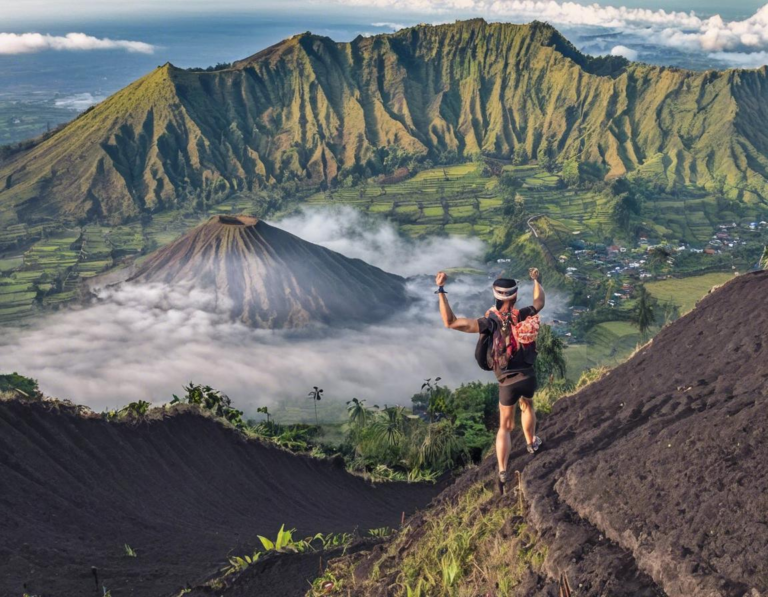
(461, 324)
(538, 291)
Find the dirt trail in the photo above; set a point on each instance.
(182, 490)
(654, 480)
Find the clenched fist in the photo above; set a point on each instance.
(534, 273)
(441, 278)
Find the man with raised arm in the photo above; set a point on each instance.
(507, 346)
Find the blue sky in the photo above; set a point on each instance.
(54, 47)
(30, 10)
(735, 33)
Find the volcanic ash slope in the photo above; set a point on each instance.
(269, 278)
(182, 489)
(653, 480)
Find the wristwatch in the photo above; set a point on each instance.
(440, 290)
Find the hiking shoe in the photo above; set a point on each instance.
(502, 477)
(532, 448)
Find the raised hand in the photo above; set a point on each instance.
(534, 273)
(441, 278)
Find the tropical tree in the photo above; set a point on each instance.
(390, 428)
(437, 397)
(658, 257)
(440, 447)
(611, 286)
(671, 312)
(213, 400)
(359, 415)
(544, 156)
(315, 395)
(264, 410)
(138, 408)
(14, 381)
(520, 156)
(550, 362)
(644, 314)
(571, 174)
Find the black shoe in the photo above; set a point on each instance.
(502, 481)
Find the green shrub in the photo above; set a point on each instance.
(14, 381)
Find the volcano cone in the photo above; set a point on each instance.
(269, 278)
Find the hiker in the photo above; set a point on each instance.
(507, 346)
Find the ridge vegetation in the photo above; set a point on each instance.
(318, 113)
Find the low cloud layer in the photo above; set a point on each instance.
(741, 59)
(30, 43)
(376, 241)
(682, 30)
(145, 342)
(626, 52)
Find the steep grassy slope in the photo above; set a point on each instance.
(651, 481)
(308, 108)
(269, 278)
(181, 489)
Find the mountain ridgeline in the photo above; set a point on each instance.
(312, 110)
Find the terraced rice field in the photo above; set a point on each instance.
(686, 292)
(608, 344)
(455, 199)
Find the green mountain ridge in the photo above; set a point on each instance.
(309, 109)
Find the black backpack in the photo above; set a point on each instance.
(485, 344)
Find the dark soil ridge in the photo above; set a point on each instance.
(654, 479)
(280, 575)
(182, 489)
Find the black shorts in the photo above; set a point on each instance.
(519, 385)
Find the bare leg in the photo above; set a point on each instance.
(528, 419)
(503, 440)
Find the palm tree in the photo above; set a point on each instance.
(644, 313)
(441, 446)
(671, 312)
(390, 429)
(658, 257)
(358, 413)
(435, 397)
(550, 362)
(611, 287)
(264, 410)
(315, 395)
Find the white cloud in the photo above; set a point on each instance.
(387, 25)
(145, 342)
(29, 43)
(78, 101)
(624, 51)
(376, 241)
(741, 59)
(684, 30)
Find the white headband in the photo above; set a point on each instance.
(504, 294)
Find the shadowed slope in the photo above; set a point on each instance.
(269, 278)
(653, 480)
(181, 489)
(309, 109)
